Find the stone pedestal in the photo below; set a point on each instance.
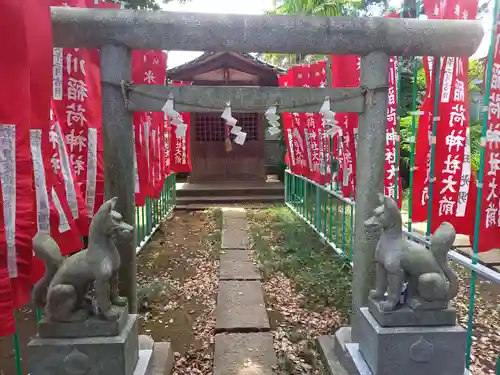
(429, 350)
(77, 349)
(111, 355)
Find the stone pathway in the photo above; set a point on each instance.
(243, 341)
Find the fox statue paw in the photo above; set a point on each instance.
(111, 314)
(376, 295)
(388, 306)
(120, 301)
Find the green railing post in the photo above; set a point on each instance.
(317, 208)
(330, 222)
(17, 349)
(480, 178)
(437, 69)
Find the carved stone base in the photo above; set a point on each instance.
(92, 327)
(116, 355)
(406, 317)
(410, 350)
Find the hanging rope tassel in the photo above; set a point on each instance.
(227, 142)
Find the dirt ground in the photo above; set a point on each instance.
(296, 264)
(177, 281)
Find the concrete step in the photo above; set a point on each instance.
(229, 189)
(180, 201)
(206, 206)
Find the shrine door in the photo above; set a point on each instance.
(212, 162)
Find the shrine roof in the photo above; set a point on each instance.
(213, 60)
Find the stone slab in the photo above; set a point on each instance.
(235, 234)
(406, 317)
(155, 358)
(244, 354)
(240, 306)
(163, 359)
(331, 363)
(357, 359)
(234, 229)
(230, 270)
(411, 350)
(144, 362)
(117, 355)
(92, 327)
(234, 256)
(233, 213)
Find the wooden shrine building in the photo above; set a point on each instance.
(211, 161)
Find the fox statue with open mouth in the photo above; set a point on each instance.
(431, 282)
(63, 292)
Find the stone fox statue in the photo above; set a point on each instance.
(431, 282)
(63, 290)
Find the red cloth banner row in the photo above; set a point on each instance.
(51, 166)
(308, 146)
(149, 67)
(453, 183)
(180, 152)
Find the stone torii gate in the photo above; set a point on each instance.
(117, 32)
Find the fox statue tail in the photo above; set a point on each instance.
(48, 251)
(441, 242)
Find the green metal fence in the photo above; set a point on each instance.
(332, 217)
(148, 219)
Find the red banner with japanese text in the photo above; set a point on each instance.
(319, 141)
(180, 154)
(489, 227)
(421, 173)
(305, 125)
(52, 208)
(454, 190)
(293, 138)
(345, 73)
(286, 120)
(78, 110)
(298, 78)
(18, 199)
(64, 195)
(148, 67)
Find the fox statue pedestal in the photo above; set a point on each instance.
(77, 348)
(410, 333)
(413, 350)
(85, 330)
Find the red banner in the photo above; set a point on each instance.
(489, 230)
(310, 125)
(302, 153)
(180, 154)
(18, 209)
(318, 139)
(293, 138)
(454, 190)
(421, 174)
(64, 196)
(345, 73)
(148, 67)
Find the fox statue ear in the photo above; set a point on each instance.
(112, 203)
(381, 198)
